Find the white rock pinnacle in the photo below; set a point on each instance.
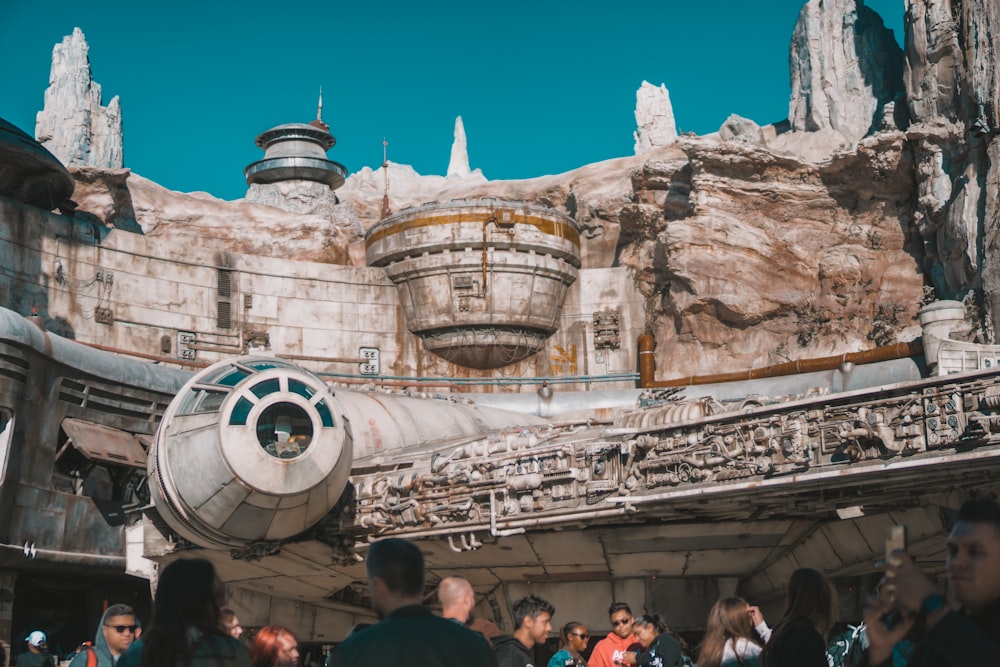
(459, 163)
(654, 118)
(845, 68)
(73, 125)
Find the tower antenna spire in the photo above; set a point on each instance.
(319, 110)
(385, 172)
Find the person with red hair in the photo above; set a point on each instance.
(274, 646)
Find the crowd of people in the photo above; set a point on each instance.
(908, 622)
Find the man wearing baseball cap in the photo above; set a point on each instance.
(37, 654)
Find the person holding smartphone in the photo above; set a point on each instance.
(969, 635)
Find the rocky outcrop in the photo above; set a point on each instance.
(953, 92)
(845, 67)
(738, 128)
(73, 125)
(752, 246)
(654, 118)
(458, 165)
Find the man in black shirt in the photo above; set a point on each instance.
(967, 636)
(533, 616)
(408, 635)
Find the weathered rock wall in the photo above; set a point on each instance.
(953, 91)
(751, 247)
(845, 68)
(73, 125)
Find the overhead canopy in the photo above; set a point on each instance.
(103, 443)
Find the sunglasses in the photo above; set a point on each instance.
(122, 628)
(581, 636)
(625, 621)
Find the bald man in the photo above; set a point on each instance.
(457, 600)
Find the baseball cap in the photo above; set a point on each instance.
(36, 638)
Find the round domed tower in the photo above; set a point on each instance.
(297, 152)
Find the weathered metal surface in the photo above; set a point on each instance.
(103, 443)
(296, 151)
(29, 173)
(481, 282)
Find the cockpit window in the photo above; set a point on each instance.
(202, 400)
(262, 389)
(263, 365)
(284, 430)
(300, 388)
(240, 412)
(324, 414)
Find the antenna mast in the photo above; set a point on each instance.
(385, 171)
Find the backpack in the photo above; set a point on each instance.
(91, 654)
(846, 649)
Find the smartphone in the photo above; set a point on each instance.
(895, 538)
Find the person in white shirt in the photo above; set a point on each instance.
(734, 635)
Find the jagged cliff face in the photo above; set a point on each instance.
(73, 125)
(753, 246)
(953, 93)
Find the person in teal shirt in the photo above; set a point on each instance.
(573, 640)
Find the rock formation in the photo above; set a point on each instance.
(752, 246)
(654, 118)
(953, 97)
(73, 125)
(459, 164)
(737, 128)
(845, 66)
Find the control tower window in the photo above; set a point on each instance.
(284, 430)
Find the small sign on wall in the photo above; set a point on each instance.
(370, 361)
(185, 339)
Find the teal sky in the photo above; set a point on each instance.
(543, 87)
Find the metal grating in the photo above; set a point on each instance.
(225, 282)
(225, 315)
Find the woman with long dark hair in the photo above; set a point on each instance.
(572, 642)
(184, 631)
(660, 646)
(734, 635)
(800, 637)
(274, 646)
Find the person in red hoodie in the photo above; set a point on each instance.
(609, 651)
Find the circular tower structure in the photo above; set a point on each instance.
(296, 152)
(482, 282)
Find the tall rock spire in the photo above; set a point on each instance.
(73, 125)
(845, 68)
(654, 118)
(459, 163)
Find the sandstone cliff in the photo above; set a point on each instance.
(752, 246)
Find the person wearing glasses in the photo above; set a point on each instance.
(114, 635)
(609, 651)
(572, 643)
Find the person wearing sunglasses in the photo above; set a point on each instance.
(609, 651)
(114, 635)
(572, 643)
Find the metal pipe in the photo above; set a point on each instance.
(29, 552)
(886, 353)
(309, 357)
(458, 381)
(149, 357)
